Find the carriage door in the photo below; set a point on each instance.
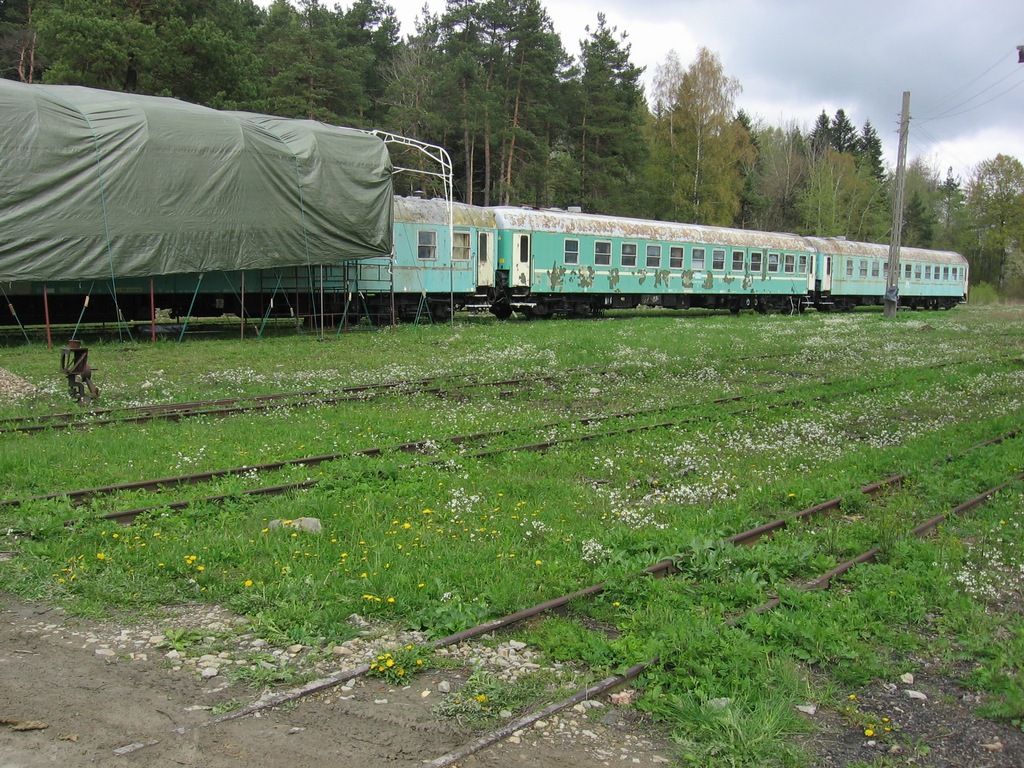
(521, 261)
(485, 259)
(825, 275)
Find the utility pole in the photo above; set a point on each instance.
(892, 291)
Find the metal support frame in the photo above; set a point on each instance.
(443, 160)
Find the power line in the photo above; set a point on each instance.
(949, 112)
(965, 86)
(923, 136)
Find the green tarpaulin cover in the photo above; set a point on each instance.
(96, 184)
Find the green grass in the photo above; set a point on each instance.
(444, 540)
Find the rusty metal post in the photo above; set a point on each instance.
(74, 363)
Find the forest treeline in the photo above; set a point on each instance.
(525, 121)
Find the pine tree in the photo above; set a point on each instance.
(19, 41)
(918, 222)
(821, 134)
(842, 133)
(868, 150)
(608, 142)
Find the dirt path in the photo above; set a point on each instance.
(96, 695)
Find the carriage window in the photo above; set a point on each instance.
(917, 271)
(628, 255)
(802, 268)
(698, 258)
(936, 273)
(524, 249)
(426, 244)
(461, 246)
(602, 253)
(572, 251)
(755, 261)
(482, 247)
(654, 256)
(874, 269)
(945, 273)
(906, 271)
(885, 269)
(675, 257)
(863, 267)
(849, 267)
(717, 258)
(927, 271)
(738, 257)
(789, 263)
(773, 262)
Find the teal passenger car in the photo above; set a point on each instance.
(437, 267)
(851, 274)
(572, 263)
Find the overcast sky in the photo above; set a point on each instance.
(794, 58)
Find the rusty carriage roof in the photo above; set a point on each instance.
(833, 246)
(418, 210)
(594, 225)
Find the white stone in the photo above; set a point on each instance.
(916, 695)
(907, 678)
(209, 672)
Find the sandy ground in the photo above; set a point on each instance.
(82, 708)
(72, 695)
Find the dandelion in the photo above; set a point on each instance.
(247, 583)
(869, 732)
(391, 600)
(101, 556)
(538, 562)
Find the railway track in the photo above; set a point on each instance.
(160, 485)
(230, 406)
(662, 569)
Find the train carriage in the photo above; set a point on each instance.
(852, 274)
(434, 269)
(567, 262)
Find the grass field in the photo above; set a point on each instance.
(443, 539)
